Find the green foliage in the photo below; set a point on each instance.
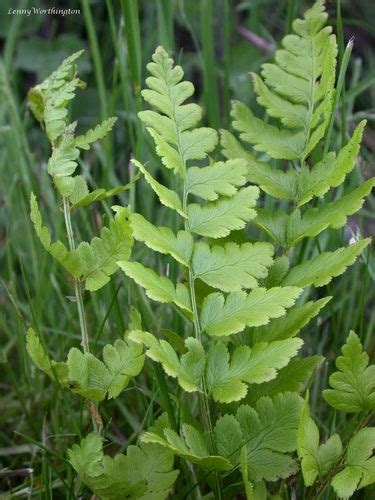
(86, 375)
(224, 316)
(49, 100)
(297, 88)
(145, 472)
(221, 178)
(162, 239)
(100, 256)
(92, 262)
(175, 142)
(69, 259)
(226, 376)
(101, 130)
(320, 270)
(351, 467)
(231, 267)
(291, 323)
(300, 186)
(157, 287)
(353, 385)
(248, 293)
(316, 460)
(268, 430)
(288, 230)
(359, 465)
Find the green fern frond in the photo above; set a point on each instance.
(268, 430)
(353, 385)
(221, 316)
(101, 255)
(175, 142)
(297, 89)
(145, 471)
(225, 377)
(86, 375)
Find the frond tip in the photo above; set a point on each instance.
(297, 88)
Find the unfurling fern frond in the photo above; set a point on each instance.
(92, 262)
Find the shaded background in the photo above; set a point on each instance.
(217, 43)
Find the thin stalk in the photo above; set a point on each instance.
(226, 61)
(211, 92)
(12, 35)
(340, 38)
(99, 77)
(95, 415)
(165, 19)
(292, 12)
(340, 84)
(198, 335)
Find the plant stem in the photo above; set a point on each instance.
(198, 335)
(95, 415)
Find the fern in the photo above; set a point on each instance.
(351, 467)
(268, 431)
(298, 89)
(353, 386)
(241, 304)
(144, 472)
(226, 376)
(86, 375)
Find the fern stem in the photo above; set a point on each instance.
(94, 412)
(198, 335)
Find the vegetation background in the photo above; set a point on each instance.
(217, 42)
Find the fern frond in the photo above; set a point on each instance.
(288, 230)
(316, 460)
(195, 447)
(221, 178)
(162, 239)
(294, 377)
(297, 89)
(100, 256)
(224, 316)
(219, 218)
(80, 196)
(321, 269)
(94, 134)
(70, 260)
(359, 466)
(291, 323)
(146, 471)
(231, 267)
(353, 385)
(166, 196)
(226, 376)
(268, 430)
(175, 142)
(298, 186)
(48, 101)
(86, 375)
(157, 287)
